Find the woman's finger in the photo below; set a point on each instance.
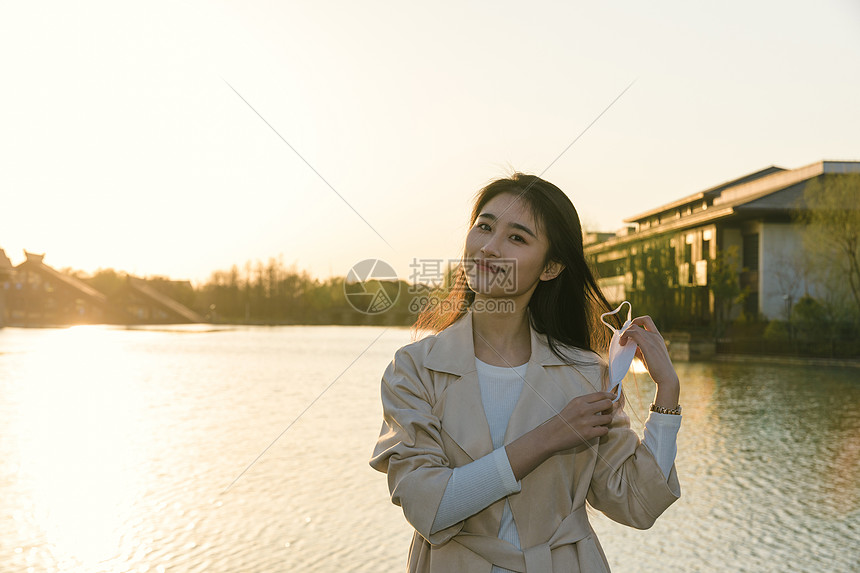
(651, 348)
(645, 322)
(643, 333)
(636, 332)
(599, 396)
(601, 406)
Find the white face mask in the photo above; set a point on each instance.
(620, 357)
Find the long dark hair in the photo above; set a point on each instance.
(567, 308)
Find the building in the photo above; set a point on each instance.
(143, 304)
(42, 296)
(667, 257)
(6, 271)
(35, 294)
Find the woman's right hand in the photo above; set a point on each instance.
(582, 419)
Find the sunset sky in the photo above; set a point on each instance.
(122, 144)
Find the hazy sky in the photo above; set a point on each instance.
(122, 145)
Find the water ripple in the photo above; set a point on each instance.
(118, 445)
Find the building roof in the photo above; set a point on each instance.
(706, 195)
(35, 262)
(772, 189)
(5, 263)
(142, 288)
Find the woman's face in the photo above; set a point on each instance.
(504, 251)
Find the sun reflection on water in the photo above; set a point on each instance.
(638, 367)
(117, 444)
(79, 409)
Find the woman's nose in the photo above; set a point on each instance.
(490, 248)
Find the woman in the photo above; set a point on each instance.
(497, 428)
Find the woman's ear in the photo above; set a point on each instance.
(552, 270)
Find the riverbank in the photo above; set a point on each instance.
(798, 360)
(688, 347)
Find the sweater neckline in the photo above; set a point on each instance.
(483, 364)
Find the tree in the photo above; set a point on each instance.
(830, 210)
(655, 295)
(723, 282)
(106, 281)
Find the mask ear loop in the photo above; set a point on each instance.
(626, 323)
(618, 332)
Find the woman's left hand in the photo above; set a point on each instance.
(652, 351)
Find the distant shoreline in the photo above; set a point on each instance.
(787, 360)
(216, 326)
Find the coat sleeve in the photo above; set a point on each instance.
(627, 484)
(409, 448)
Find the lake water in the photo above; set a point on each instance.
(119, 448)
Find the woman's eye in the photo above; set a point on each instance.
(519, 238)
(482, 225)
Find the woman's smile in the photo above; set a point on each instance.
(487, 267)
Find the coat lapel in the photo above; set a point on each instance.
(463, 417)
(454, 350)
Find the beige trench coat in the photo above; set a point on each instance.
(433, 421)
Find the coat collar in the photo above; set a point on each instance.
(454, 350)
(463, 416)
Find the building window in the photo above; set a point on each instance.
(751, 252)
(613, 268)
